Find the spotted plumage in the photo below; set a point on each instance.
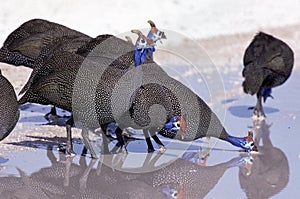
(24, 44)
(9, 108)
(97, 84)
(34, 39)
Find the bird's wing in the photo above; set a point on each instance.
(53, 88)
(254, 77)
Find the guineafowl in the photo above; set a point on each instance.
(25, 43)
(9, 108)
(114, 58)
(118, 78)
(58, 42)
(50, 83)
(268, 63)
(88, 90)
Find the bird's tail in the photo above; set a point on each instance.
(14, 58)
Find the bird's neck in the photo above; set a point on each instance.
(235, 141)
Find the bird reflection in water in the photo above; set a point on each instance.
(269, 173)
(199, 157)
(66, 178)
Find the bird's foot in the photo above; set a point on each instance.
(70, 152)
(162, 148)
(64, 149)
(151, 150)
(53, 118)
(258, 118)
(123, 149)
(258, 115)
(120, 149)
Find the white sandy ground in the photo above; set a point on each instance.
(223, 31)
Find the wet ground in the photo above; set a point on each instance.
(32, 167)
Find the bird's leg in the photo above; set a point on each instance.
(84, 151)
(86, 142)
(83, 179)
(69, 125)
(161, 146)
(67, 175)
(52, 112)
(105, 149)
(52, 115)
(120, 138)
(104, 138)
(148, 141)
(258, 110)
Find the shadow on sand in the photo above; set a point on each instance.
(244, 112)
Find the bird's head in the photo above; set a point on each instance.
(154, 33)
(245, 143)
(177, 124)
(142, 41)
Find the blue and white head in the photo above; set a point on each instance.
(144, 48)
(142, 41)
(245, 143)
(154, 33)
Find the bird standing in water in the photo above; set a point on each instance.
(268, 63)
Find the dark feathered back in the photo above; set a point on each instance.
(24, 45)
(9, 108)
(268, 62)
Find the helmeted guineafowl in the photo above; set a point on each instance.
(52, 83)
(9, 108)
(89, 90)
(170, 97)
(268, 63)
(25, 43)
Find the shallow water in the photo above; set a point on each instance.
(226, 172)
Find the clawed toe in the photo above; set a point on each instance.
(162, 149)
(68, 152)
(93, 156)
(259, 114)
